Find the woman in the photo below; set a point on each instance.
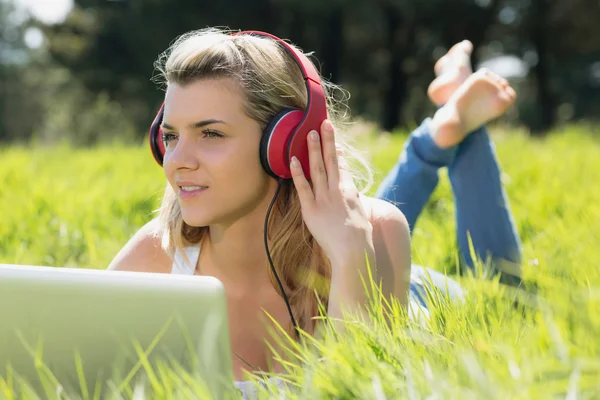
(221, 92)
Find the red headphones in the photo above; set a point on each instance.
(285, 135)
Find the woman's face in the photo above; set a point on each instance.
(212, 153)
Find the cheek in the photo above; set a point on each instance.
(240, 179)
(169, 171)
(242, 166)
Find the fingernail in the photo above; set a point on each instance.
(314, 136)
(295, 162)
(328, 125)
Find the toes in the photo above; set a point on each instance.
(503, 82)
(494, 77)
(458, 55)
(484, 74)
(484, 71)
(505, 92)
(511, 93)
(466, 46)
(508, 96)
(439, 65)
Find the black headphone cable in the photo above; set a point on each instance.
(287, 303)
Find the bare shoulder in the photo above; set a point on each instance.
(383, 212)
(391, 240)
(389, 223)
(143, 252)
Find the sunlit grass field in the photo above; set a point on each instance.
(77, 208)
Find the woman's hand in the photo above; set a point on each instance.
(332, 209)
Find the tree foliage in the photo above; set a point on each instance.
(382, 51)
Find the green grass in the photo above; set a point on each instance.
(77, 208)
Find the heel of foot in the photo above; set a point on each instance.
(447, 129)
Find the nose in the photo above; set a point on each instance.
(181, 155)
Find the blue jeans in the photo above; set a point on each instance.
(482, 208)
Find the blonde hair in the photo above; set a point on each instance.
(270, 80)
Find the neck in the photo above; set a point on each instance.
(235, 252)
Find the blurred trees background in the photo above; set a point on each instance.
(88, 78)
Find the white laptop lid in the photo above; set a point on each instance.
(98, 313)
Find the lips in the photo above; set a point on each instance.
(189, 188)
(191, 191)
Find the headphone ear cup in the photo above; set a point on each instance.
(157, 146)
(274, 142)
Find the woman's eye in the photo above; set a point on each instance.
(208, 133)
(211, 134)
(167, 137)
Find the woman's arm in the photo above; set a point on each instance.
(338, 217)
(391, 238)
(389, 258)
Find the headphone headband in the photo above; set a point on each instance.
(308, 69)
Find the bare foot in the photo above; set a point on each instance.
(451, 70)
(484, 96)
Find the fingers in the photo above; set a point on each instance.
(303, 188)
(330, 154)
(318, 174)
(324, 169)
(338, 170)
(328, 167)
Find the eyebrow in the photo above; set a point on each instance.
(196, 125)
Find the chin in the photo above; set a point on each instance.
(195, 217)
(196, 221)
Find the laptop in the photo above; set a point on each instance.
(97, 327)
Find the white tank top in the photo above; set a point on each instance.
(179, 264)
(247, 389)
